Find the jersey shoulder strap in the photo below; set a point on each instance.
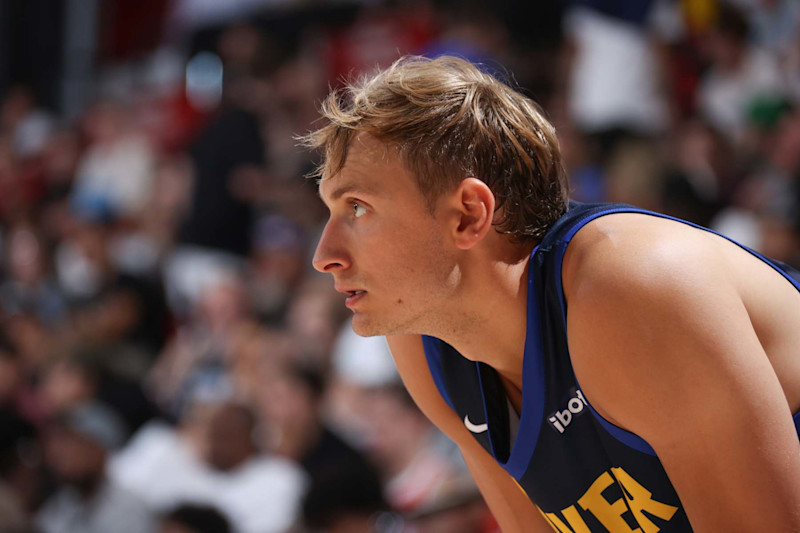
(572, 220)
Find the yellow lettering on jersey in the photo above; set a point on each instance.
(641, 500)
(608, 514)
(573, 519)
(555, 522)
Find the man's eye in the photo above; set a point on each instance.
(359, 209)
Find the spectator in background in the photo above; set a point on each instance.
(109, 306)
(166, 206)
(11, 376)
(30, 127)
(774, 186)
(403, 27)
(456, 508)
(118, 165)
(13, 196)
(20, 470)
(617, 95)
(348, 499)
(776, 26)
(29, 286)
(215, 235)
(192, 518)
(213, 459)
(313, 318)
(77, 445)
(587, 179)
(81, 376)
(358, 365)
(278, 265)
(218, 219)
(402, 444)
(20, 369)
(173, 456)
(11, 518)
(203, 350)
(260, 493)
(698, 181)
(766, 205)
(474, 33)
(739, 75)
(298, 82)
(60, 159)
(292, 402)
(615, 74)
(30, 345)
(58, 162)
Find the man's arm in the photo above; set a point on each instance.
(510, 505)
(669, 352)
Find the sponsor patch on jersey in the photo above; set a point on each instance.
(562, 418)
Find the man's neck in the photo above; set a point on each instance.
(489, 319)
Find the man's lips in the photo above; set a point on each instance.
(353, 295)
(353, 298)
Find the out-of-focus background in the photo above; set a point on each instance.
(168, 359)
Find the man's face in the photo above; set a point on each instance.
(388, 254)
(230, 438)
(74, 459)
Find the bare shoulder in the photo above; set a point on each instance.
(642, 252)
(630, 255)
(640, 290)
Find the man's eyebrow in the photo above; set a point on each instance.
(345, 189)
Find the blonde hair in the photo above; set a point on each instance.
(449, 120)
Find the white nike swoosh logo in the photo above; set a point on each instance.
(480, 428)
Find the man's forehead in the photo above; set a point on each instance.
(367, 161)
(364, 150)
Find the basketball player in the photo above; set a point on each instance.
(601, 368)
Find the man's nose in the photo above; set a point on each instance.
(330, 255)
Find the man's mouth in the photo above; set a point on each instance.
(353, 297)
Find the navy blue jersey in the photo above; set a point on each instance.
(584, 473)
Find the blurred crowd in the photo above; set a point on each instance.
(170, 362)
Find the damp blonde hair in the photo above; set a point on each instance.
(448, 120)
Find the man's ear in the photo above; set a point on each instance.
(475, 203)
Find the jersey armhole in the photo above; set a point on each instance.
(628, 438)
(433, 354)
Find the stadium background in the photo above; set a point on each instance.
(168, 358)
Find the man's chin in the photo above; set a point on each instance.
(367, 328)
